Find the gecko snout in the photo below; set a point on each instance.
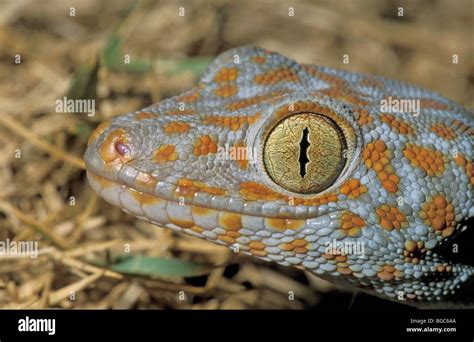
(108, 148)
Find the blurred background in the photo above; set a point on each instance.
(90, 254)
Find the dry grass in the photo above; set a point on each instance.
(44, 195)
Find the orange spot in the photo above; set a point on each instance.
(234, 123)
(189, 97)
(145, 115)
(143, 198)
(255, 191)
(227, 239)
(411, 246)
(443, 131)
(200, 211)
(165, 153)
(344, 270)
(284, 224)
(277, 75)
(278, 224)
(352, 188)
(180, 112)
(233, 233)
(467, 165)
(176, 127)
(197, 229)
(341, 258)
(181, 223)
(329, 256)
(188, 187)
(428, 159)
(294, 224)
(98, 131)
(227, 90)
(327, 198)
(388, 273)
(391, 218)
(298, 246)
(414, 251)
(398, 125)
(390, 186)
(300, 242)
(462, 128)
(226, 75)
(380, 146)
(439, 215)
(364, 117)
(378, 157)
(230, 221)
(286, 247)
(430, 103)
(259, 59)
(351, 224)
(386, 276)
(258, 253)
(204, 145)
(257, 245)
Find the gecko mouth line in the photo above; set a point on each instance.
(101, 183)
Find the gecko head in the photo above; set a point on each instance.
(269, 156)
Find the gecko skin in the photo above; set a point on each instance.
(386, 189)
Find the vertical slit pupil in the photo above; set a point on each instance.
(304, 145)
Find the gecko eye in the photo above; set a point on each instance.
(304, 153)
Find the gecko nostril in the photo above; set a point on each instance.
(115, 147)
(122, 148)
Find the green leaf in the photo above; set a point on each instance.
(196, 65)
(84, 81)
(155, 266)
(114, 59)
(83, 130)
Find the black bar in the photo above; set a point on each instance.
(244, 325)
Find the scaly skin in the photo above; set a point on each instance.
(406, 187)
